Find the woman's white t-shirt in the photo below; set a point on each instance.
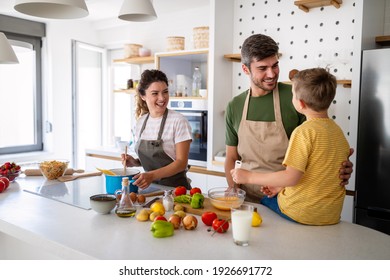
(177, 129)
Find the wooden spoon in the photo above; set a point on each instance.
(124, 165)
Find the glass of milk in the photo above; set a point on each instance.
(241, 224)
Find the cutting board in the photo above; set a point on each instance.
(206, 207)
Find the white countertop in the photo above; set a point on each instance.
(70, 232)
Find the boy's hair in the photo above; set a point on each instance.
(316, 87)
(258, 47)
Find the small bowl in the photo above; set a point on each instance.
(103, 203)
(223, 200)
(144, 52)
(11, 176)
(53, 169)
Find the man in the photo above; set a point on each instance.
(259, 121)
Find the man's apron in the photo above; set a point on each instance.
(261, 145)
(152, 156)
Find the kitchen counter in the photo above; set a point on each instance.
(44, 228)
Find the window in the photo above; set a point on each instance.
(21, 92)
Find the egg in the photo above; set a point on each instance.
(141, 198)
(133, 196)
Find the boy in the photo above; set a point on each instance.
(309, 190)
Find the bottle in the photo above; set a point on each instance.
(168, 201)
(196, 81)
(125, 206)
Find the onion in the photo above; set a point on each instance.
(190, 222)
(175, 220)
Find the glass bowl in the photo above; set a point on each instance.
(53, 169)
(11, 176)
(223, 200)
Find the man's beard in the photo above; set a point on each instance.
(260, 85)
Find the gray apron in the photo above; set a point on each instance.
(152, 156)
(262, 145)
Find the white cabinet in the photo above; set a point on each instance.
(206, 181)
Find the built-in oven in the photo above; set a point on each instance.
(196, 113)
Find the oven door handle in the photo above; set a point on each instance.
(192, 114)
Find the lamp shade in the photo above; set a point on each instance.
(54, 9)
(7, 54)
(137, 10)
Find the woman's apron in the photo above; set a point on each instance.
(261, 145)
(152, 156)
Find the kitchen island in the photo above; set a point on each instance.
(36, 227)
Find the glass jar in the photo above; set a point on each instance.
(168, 201)
(125, 207)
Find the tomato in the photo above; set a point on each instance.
(195, 190)
(208, 218)
(161, 218)
(220, 225)
(180, 190)
(4, 183)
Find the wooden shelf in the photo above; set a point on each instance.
(187, 97)
(383, 40)
(306, 5)
(136, 60)
(236, 57)
(345, 83)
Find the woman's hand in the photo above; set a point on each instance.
(346, 170)
(143, 180)
(129, 161)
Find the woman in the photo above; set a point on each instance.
(163, 136)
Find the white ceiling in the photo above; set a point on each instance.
(109, 9)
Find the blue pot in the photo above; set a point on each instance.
(114, 182)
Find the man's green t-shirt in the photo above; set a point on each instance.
(261, 109)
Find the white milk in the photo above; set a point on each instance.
(241, 225)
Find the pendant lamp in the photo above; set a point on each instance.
(137, 10)
(54, 9)
(7, 54)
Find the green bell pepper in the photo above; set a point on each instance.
(162, 229)
(197, 201)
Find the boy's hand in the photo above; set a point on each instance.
(270, 191)
(346, 170)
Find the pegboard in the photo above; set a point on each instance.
(323, 37)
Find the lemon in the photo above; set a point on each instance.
(256, 219)
(158, 207)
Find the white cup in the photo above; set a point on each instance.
(203, 92)
(242, 224)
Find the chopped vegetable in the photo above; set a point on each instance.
(197, 201)
(185, 198)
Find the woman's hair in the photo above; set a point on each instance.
(258, 47)
(316, 87)
(147, 78)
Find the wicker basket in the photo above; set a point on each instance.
(175, 44)
(201, 37)
(132, 50)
